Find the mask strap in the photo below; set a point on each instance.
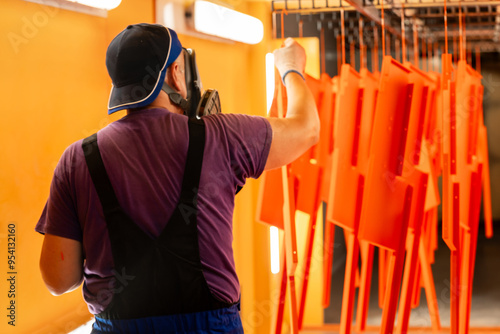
(175, 97)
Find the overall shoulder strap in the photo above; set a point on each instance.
(99, 176)
(194, 162)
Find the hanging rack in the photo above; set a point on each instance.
(482, 17)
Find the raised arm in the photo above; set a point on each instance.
(299, 130)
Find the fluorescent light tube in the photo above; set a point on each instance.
(212, 19)
(269, 80)
(274, 239)
(91, 7)
(101, 4)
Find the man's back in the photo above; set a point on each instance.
(145, 154)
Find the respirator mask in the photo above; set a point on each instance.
(195, 104)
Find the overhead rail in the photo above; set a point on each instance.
(480, 17)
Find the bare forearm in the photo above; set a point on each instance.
(61, 264)
(299, 130)
(301, 105)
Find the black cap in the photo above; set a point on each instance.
(137, 60)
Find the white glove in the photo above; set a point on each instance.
(290, 57)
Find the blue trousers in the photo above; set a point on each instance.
(225, 320)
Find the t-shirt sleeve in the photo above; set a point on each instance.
(59, 216)
(248, 143)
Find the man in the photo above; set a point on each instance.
(142, 211)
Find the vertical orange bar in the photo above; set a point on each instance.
(382, 23)
(290, 245)
(395, 271)
(465, 280)
(349, 283)
(382, 275)
(403, 34)
(469, 250)
(455, 266)
(293, 305)
(307, 266)
(488, 219)
(453, 131)
(289, 228)
(280, 307)
(415, 44)
(415, 301)
(445, 28)
(351, 264)
(413, 238)
(342, 34)
(407, 284)
(309, 248)
(461, 34)
(327, 262)
(375, 51)
(339, 54)
(430, 290)
(365, 285)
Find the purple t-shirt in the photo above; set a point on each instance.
(145, 154)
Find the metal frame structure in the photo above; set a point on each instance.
(481, 17)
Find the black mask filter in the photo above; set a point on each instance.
(195, 104)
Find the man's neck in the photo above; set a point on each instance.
(162, 101)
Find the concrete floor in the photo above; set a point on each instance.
(485, 305)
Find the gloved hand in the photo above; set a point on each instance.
(291, 56)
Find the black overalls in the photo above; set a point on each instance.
(165, 275)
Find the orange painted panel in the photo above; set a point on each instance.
(483, 158)
(270, 204)
(467, 118)
(327, 166)
(326, 106)
(369, 83)
(307, 194)
(447, 122)
(341, 208)
(384, 195)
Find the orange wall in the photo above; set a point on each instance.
(54, 90)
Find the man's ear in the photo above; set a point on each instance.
(175, 76)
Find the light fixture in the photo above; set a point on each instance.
(212, 19)
(269, 80)
(207, 20)
(101, 4)
(92, 7)
(274, 240)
